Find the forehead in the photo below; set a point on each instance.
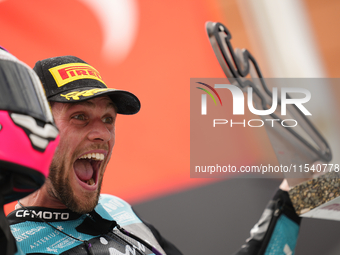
(103, 102)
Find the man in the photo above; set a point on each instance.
(85, 111)
(67, 215)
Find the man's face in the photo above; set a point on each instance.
(87, 136)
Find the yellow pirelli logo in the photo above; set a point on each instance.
(66, 73)
(86, 93)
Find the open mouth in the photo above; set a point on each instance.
(87, 167)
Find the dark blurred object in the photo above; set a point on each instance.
(28, 137)
(7, 241)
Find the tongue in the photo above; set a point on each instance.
(83, 169)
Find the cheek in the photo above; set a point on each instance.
(68, 139)
(66, 148)
(62, 149)
(113, 138)
(111, 144)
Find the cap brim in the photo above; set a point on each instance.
(126, 102)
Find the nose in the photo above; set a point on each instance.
(99, 132)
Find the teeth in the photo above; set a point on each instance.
(93, 156)
(90, 182)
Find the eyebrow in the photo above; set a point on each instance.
(86, 103)
(112, 105)
(91, 105)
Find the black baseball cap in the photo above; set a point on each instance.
(68, 79)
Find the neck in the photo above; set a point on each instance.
(43, 198)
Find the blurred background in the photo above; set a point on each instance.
(153, 48)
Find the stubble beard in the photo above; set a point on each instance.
(62, 190)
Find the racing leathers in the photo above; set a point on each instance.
(113, 228)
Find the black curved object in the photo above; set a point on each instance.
(240, 67)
